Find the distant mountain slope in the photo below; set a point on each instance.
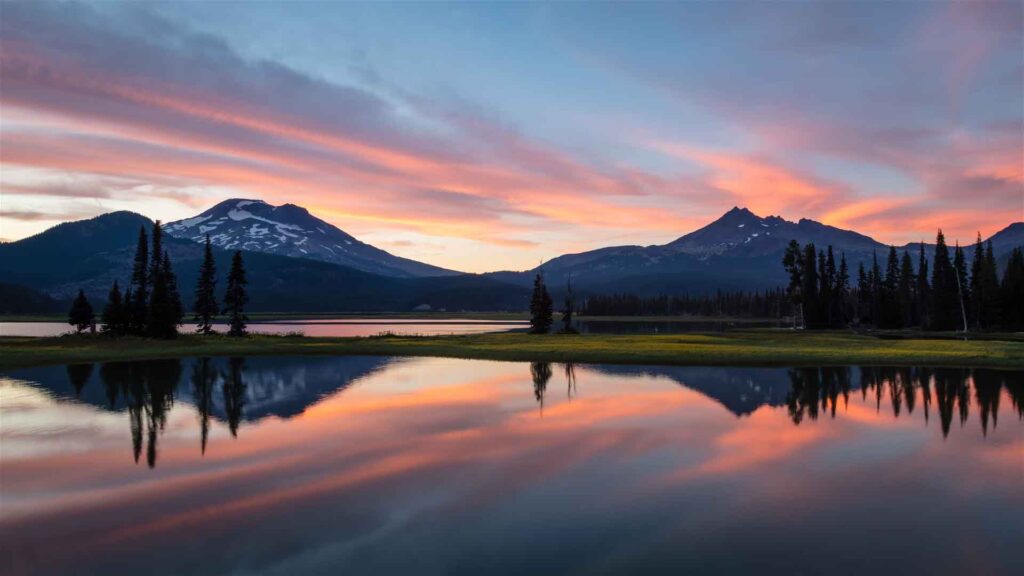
(18, 299)
(290, 230)
(66, 250)
(1007, 239)
(100, 250)
(738, 251)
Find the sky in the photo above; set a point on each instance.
(486, 136)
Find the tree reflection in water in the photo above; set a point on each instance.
(203, 379)
(812, 388)
(234, 394)
(570, 379)
(78, 375)
(148, 390)
(540, 373)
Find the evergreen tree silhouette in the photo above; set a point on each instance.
(890, 291)
(235, 297)
(842, 291)
(115, 314)
(81, 315)
(922, 292)
(1011, 298)
(205, 306)
(942, 310)
(962, 290)
(139, 288)
(540, 307)
(568, 310)
(793, 262)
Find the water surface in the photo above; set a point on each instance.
(372, 465)
(329, 328)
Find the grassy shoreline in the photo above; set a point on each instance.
(739, 348)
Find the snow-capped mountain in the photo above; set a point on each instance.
(290, 230)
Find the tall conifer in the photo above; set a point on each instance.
(235, 297)
(922, 291)
(541, 307)
(81, 315)
(139, 288)
(906, 290)
(114, 313)
(943, 306)
(205, 306)
(963, 295)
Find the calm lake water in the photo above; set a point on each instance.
(371, 465)
(426, 326)
(343, 327)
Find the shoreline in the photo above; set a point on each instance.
(736, 348)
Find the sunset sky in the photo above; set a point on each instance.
(492, 136)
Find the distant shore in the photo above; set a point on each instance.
(492, 316)
(736, 348)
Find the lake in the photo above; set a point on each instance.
(374, 465)
(329, 328)
(430, 327)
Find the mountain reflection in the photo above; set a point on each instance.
(430, 453)
(229, 390)
(237, 390)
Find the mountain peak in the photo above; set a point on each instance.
(290, 230)
(736, 210)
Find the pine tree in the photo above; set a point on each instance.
(962, 294)
(81, 315)
(875, 277)
(1012, 292)
(890, 291)
(863, 296)
(843, 290)
(139, 288)
(793, 262)
(828, 291)
(990, 284)
(114, 313)
(977, 290)
(922, 292)
(205, 306)
(568, 310)
(156, 252)
(942, 314)
(540, 307)
(175, 310)
(235, 297)
(906, 290)
(809, 290)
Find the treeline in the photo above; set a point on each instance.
(948, 297)
(151, 304)
(774, 303)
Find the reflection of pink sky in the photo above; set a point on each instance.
(466, 434)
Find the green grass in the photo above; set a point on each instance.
(748, 348)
